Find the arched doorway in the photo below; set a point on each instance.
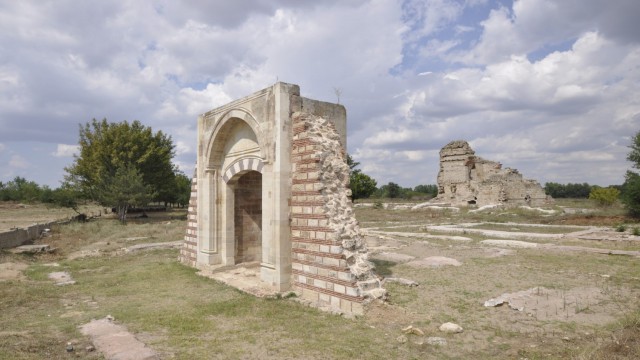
(247, 217)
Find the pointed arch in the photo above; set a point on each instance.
(215, 146)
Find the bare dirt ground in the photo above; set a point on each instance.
(554, 287)
(573, 291)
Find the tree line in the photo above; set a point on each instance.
(570, 190)
(22, 190)
(127, 164)
(363, 186)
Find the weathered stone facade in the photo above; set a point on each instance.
(466, 179)
(271, 186)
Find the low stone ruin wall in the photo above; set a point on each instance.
(20, 236)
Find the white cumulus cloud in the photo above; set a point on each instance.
(64, 150)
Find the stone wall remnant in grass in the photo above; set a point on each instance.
(465, 179)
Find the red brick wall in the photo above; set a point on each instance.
(320, 269)
(190, 246)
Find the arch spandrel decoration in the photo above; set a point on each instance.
(215, 147)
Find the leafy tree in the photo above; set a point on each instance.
(352, 163)
(183, 189)
(634, 154)
(553, 189)
(46, 194)
(66, 196)
(391, 190)
(631, 187)
(576, 191)
(19, 189)
(124, 190)
(427, 189)
(5, 192)
(361, 184)
(604, 196)
(106, 148)
(630, 196)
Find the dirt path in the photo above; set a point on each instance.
(12, 271)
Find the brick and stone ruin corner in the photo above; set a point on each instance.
(466, 179)
(330, 260)
(271, 188)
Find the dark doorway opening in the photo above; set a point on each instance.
(248, 217)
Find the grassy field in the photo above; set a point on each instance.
(184, 316)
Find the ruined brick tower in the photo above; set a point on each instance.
(271, 186)
(466, 179)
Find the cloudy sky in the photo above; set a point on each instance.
(550, 87)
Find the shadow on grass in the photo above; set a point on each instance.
(383, 267)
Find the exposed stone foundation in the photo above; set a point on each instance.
(466, 179)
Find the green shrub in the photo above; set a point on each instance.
(604, 196)
(621, 228)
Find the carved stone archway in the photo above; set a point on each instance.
(271, 186)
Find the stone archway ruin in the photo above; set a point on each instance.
(271, 186)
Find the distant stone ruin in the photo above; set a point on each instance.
(271, 188)
(466, 179)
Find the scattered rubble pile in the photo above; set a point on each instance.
(466, 179)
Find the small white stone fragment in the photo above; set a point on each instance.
(451, 328)
(413, 330)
